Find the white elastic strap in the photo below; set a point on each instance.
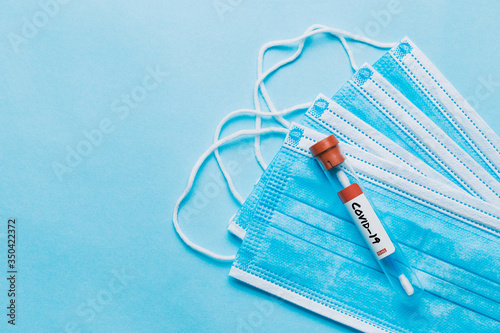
(315, 29)
(261, 77)
(192, 177)
(259, 84)
(237, 113)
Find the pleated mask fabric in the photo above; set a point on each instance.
(328, 117)
(301, 246)
(370, 97)
(407, 68)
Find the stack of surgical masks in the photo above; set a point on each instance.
(431, 166)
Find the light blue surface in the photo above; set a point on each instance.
(113, 211)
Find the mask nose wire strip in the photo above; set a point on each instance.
(313, 30)
(192, 176)
(234, 114)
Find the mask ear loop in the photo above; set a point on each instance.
(313, 30)
(281, 120)
(241, 112)
(192, 176)
(261, 77)
(267, 99)
(260, 85)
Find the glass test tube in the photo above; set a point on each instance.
(384, 248)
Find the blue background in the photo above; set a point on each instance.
(111, 215)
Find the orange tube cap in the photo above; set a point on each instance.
(328, 152)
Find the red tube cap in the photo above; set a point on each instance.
(328, 152)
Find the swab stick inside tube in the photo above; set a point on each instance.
(374, 232)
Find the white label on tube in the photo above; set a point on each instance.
(370, 227)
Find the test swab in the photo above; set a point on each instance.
(405, 283)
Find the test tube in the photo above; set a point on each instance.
(384, 248)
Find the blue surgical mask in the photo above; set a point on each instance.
(373, 99)
(301, 246)
(326, 116)
(412, 73)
